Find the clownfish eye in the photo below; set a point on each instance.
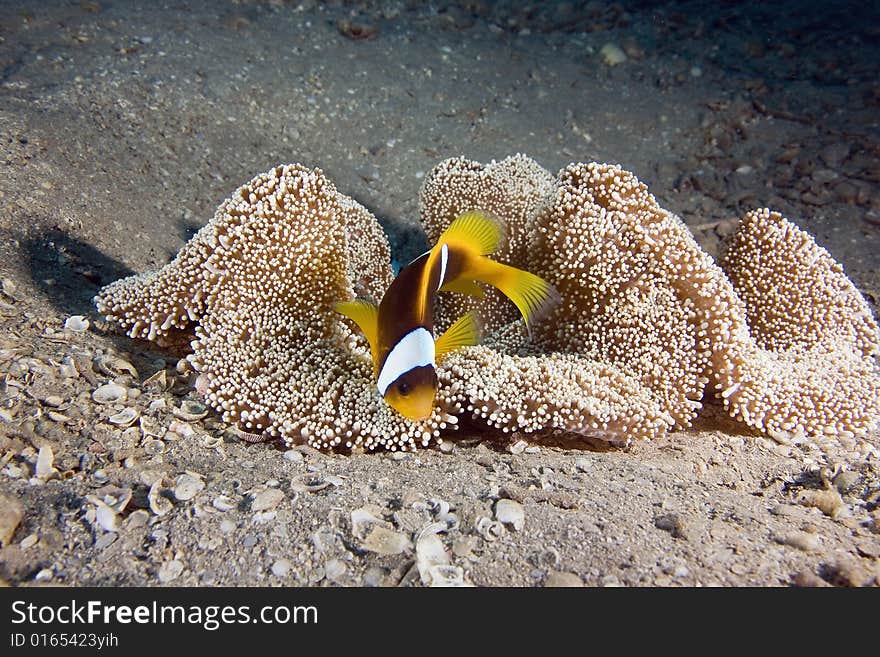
(403, 388)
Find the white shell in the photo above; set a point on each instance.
(187, 487)
(387, 542)
(110, 393)
(190, 410)
(44, 469)
(510, 513)
(76, 323)
(124, 418)
(429, 553)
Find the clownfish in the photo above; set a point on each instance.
(400, 328)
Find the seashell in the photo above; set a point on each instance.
(157, 381)
(159, 504)
(187, 487)
(211, 442)
(124, 418)
(510, 513)
(190, 410)
(68, 369)
(518, 447)
(105, 515)
(114, 366)
(180, 430)
(267, 498)
(55, 416)
(489, 529)
(44, 470)
(430, 552)
(362, 519)
(447, 576)
(384, 541)
(76, 323)
(201, 384)
(310, 482)
(153, 446)
(110, 393)
(116, 497)
(150, 427)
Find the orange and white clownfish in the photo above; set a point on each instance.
(400, 328)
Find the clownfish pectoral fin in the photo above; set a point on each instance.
(463, 285)
(463, 333)
(366, 316)
(532, 295)
(475, 232)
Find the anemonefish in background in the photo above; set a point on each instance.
(400, 328)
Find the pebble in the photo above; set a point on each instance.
(135, 519)
(227, 526)
(44, 469)
(11, 513)
(827, 501)
(556, 578)
(373, 576)
(187, 487)
(105, 540)
(672, 523)
(249, 541)
(170, 570)
(281, 567)
(846, 481)
(28, 542)
(583, 465)
(510, 512)
(44, 575)
(612, 54)
(267, 498)
(384, 541)
(800, 540)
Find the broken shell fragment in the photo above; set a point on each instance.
(190, 410)
(187, 486)
(116, 497)
(157, 381)
(510, 513)
(430, 553)
(115, 366)
(44, 469)
(110, 393)
(124, 418)
(159, 504)
(266, 499)
(384, 541)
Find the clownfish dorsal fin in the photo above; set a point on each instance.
(464, 286)
(475, 232)
(366, 315)
(472, 232)
(463, 333)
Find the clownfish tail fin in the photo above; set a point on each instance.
(532, 295)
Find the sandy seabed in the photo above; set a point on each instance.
(122, 129)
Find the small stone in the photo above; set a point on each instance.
(281, 567)
(28, 542)
(583, 465)
(800, 540)
(846, 481)
(187, 487)
(136, 519)
(784, 510)
(510, 512)
(806, 578)
(227, 526)
(846, 571)
(293, 456)
(44, 575)
(105, 540)
(556, 578)
(11, 513)
(266, 498)
(518, 447)
(612, 54)
(384, 541)
(53, 400)
(249, 541)
(827, 501)
(170, 571)
(672, 523)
